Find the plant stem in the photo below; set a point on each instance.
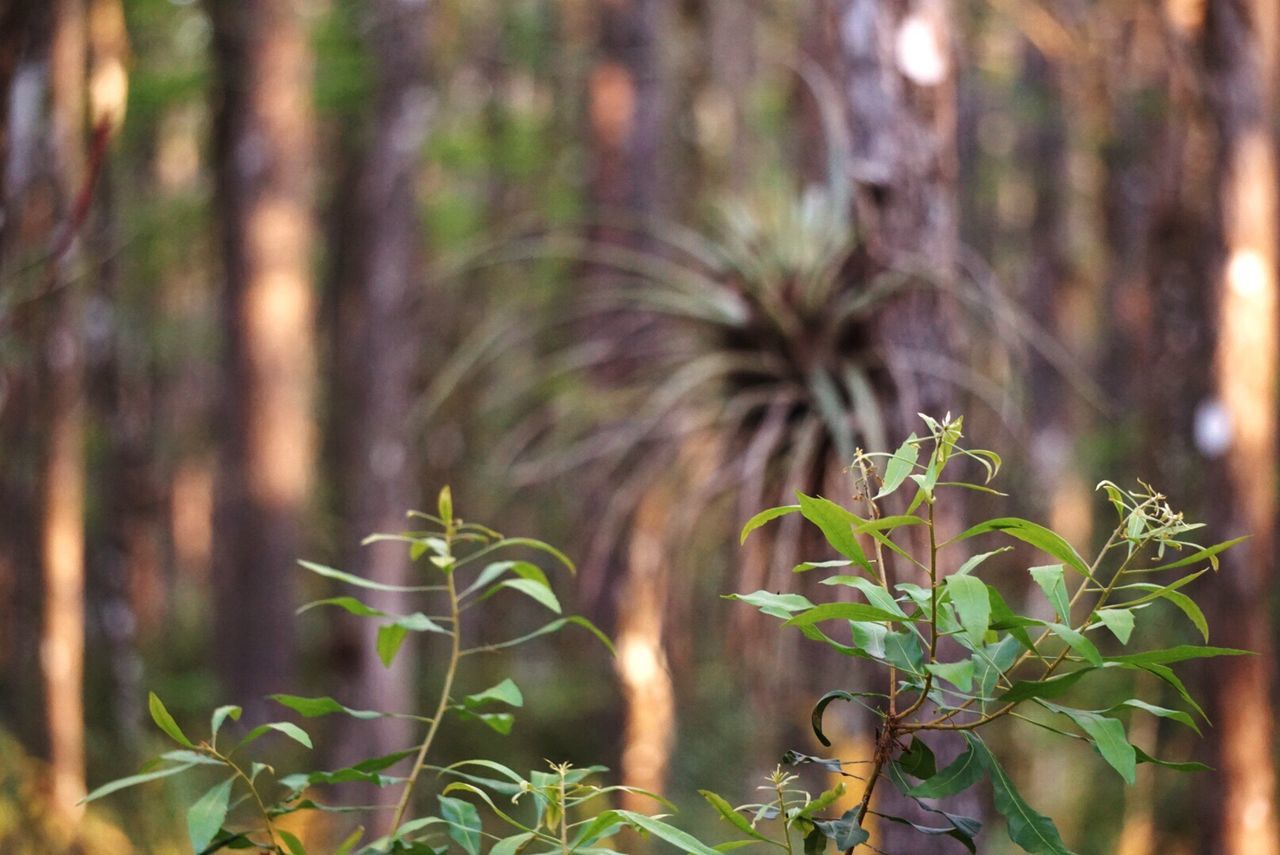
(455, 636)
(873, 511)
(253, 790)
(564, 817)
(933, 621)
(782, 814)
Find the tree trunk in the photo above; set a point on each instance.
(899, 87)
(376, 353)
(263, 165)
(628, 107)
(63, 477)
(1241, 56)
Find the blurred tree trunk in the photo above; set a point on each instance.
(63, 476)
(898, 81)
(376, 356)
(1241, 55)
(899, 86)
(126, 542)
(263, 143)
(25, 231)
(628, 108)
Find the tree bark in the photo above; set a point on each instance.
(1241, 54)
(899, 86)
(376, 353)
(628, 108)
(263, 167)
(63, 476)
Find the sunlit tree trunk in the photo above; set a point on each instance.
(376, 352)
(897, 64)
(627, 108)
(126, 542)
(899, 86)
(1241, 53)
(263, 164)
(63, 476)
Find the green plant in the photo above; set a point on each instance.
(466, 564)
(957, 658)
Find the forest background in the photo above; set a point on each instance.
(623, 273)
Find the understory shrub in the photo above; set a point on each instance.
(929, 613)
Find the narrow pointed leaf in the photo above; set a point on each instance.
(836, 525)
(1120, 622)
(160, 715)
(1037, 535)
(763, 517)
(205, 817)
(900, 466)
(973, 603)
(1027, 828)
(1052, 581)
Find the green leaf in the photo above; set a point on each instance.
(1077, 642)
(868, 637)
(512, 845)
(973, 604)
(160, 715)
(1163, 712)
(554, 626)
(845, 831)
(1190, 609)
(1053, 583)
(291, 842)
(1037, 535)
(1119, 621)
(220, 715)
(836, 525)
(444, 504)
(668, 833)
(506, 692)
(900, 466)
(918, 760)
(991, 663)
(820, 708)
(958, 674)
(735, 819)
(959, 775)
(763, 517)
(315, 707)
(876, 595)
(952, 831)
(1186, 766)
(1166, 674)
(973, 561)
(540, 592)
(1005, 618)
(841, 611)
(464, 823)
(206, 816)
(1051, 687)
(1027, 828)
(390, 637)
(348, 604)
(775, 605)
(289, 729)
(330, 573)
(902, 651)
(1208, 552)
(1108, 737)
(1180, 653)
(133, 780)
